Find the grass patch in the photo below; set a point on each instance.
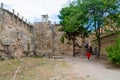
(34, 69)
(7, 69)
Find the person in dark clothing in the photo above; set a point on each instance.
(91, 50)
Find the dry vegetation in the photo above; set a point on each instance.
(36, 69)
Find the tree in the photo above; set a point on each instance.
(72, 20)
(113, 21)
(79, 13)
(98, 10)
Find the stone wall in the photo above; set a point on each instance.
(67, 46)
(16, 35)
(43, 37)
(47, 38)
(59, 46)
(106, 41)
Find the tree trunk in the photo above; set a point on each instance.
(99, 47)
(99, 40)
(74, 54)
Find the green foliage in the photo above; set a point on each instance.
(28, 47)
(78, 14)
(61, 29)
(73, 20)
(114, 52)
(98, 10)
(108, 31)
(113, 21)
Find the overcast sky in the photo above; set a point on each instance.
(33, 9)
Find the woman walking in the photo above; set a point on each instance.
(88, 53)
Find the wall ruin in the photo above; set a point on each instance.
(16, 35)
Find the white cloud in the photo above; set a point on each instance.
(31, 9)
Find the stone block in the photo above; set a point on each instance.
(7, 42)
(1, 48)
(18, 53)
(3, 56)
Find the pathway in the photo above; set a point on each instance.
(93, 69)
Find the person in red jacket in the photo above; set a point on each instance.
(88, 53)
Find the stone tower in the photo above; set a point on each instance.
(45, 18)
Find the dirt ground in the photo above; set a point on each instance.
(63, 68)
(93, 69)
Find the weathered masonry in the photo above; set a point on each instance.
(47, 39)
(43, 36)
(16, 35)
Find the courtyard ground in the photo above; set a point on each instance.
(94, 69)
(66, 68)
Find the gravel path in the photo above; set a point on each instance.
(93, 69)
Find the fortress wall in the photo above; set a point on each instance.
(16, 35)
